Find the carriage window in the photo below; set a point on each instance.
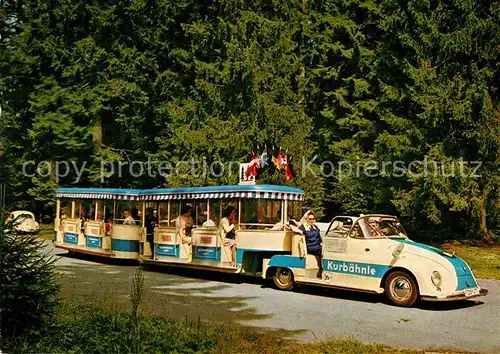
(83, 209)
(295, 209)
(163, 213)
(93, 215)
(201, 212)
(107, 210)
(260, 212)
(190, 203)
(100, 210)
(65, 212)
(175, 210)
(227, 202)
(127, 213)
(215, 213)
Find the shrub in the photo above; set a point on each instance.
(87, 329)
(29, 290)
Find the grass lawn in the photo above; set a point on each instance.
(484, 260)
(87, 329)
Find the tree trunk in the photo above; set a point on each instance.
(97, 134)
(485, 233)
(301, 77)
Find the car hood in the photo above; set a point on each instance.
(461, 268)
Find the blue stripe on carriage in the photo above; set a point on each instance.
(240, 252)
(71, 237)
(287, 261)
(125, 245)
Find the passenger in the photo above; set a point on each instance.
(184, 224)
(92, 213)
(151, 222)
(201, 214)
(227, 231)
(99, 215)
(109, 222)
(313, 238)
(374, 227)
(261, 215)
(356, 231)
(82, 215)
(128, 219)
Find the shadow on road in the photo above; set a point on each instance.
(97, 259)
(448, 306)
(108, 286)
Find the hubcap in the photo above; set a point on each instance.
(401, 288)
(284, 276)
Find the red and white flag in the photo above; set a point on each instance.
(252, 167)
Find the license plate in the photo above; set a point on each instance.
(471, 292)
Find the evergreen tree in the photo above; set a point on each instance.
(384, 90)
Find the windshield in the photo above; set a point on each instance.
(378, 226)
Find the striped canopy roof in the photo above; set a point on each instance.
(259, 191)
(99, 193)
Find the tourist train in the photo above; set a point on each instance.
(369, 253)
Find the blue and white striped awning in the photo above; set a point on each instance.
(98, 196)
(97, 193)
(255, 191)
(228, 195)
(263, 191)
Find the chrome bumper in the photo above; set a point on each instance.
(458, 297)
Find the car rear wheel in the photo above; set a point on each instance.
(401, 289)
(283, 279)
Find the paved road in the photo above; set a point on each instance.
(307, 314)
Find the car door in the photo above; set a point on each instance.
(362, 260)
(335, 251)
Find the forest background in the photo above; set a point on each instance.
(367, 82)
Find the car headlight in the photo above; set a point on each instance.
(436, 278)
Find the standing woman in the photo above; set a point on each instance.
(227, 232)
(313, 238)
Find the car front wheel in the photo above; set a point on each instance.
(401, 289)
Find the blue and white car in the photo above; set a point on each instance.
(372, 253)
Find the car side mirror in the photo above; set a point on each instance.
(396, 253)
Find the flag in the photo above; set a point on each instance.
(282, 163)
(264, 159)
(276, 163)
(288, 170)
(282, 160)
(252, 167)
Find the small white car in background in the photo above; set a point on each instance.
(24, 221)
